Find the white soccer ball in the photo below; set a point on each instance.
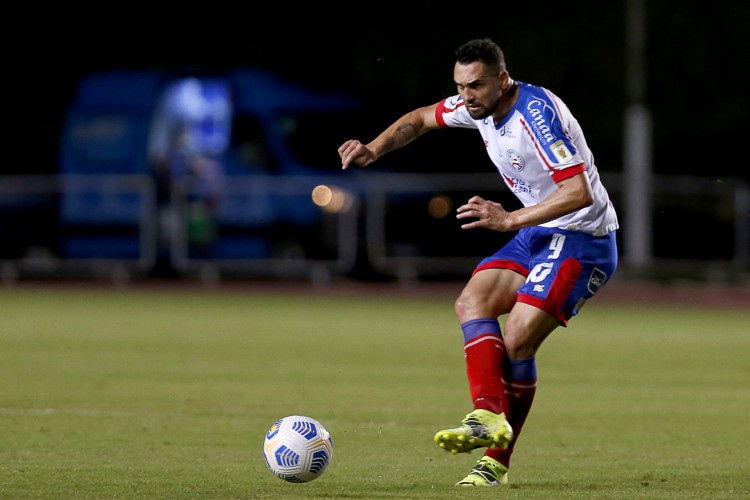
(298, 449)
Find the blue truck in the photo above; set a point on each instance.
(167, 168)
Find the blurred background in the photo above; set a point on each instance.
(201, 143)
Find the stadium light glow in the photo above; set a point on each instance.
(439, 206)
(332, 199)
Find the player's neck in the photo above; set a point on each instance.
(507, 101)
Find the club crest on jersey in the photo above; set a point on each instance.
(516, 160)
(561, 152)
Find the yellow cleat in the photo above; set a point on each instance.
(480, 428)
(487, 472)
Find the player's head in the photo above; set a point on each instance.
(482, 50)
(481, 76)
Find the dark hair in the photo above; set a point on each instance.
(483, 50)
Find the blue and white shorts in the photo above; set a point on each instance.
(562, 268)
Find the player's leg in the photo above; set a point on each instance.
(492, 468)
(488, 294)
(567, 269)
(525, 331)
(521, 387)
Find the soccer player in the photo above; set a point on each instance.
(563, 251)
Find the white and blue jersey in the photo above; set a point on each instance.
(538, 144)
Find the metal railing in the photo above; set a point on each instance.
(298, 238)
(385, 225)
(725, 199)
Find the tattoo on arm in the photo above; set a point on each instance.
(405, 133)
(408, 131)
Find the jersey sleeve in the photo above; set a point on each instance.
(551, 126)
(451, 112)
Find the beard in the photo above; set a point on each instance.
(479, 114)
(483, 112)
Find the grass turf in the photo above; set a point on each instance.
(111, 393)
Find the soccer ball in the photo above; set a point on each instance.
(298, 449)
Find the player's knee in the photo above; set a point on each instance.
(518, 347)
(519, 350)
(470, 306)
(525, 331)
(463, 307)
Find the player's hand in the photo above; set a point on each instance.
(488, 213)
(354, 152)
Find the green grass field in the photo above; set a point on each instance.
(124, 393)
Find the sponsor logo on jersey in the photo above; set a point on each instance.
(516, 160)
(517, 185)
(505, 131)
(596, 280)
(542, 115)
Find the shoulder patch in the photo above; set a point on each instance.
(561, 152)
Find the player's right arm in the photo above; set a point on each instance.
(400, 133)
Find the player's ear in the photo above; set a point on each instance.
(505, 79)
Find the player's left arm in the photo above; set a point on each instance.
(572, 194)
